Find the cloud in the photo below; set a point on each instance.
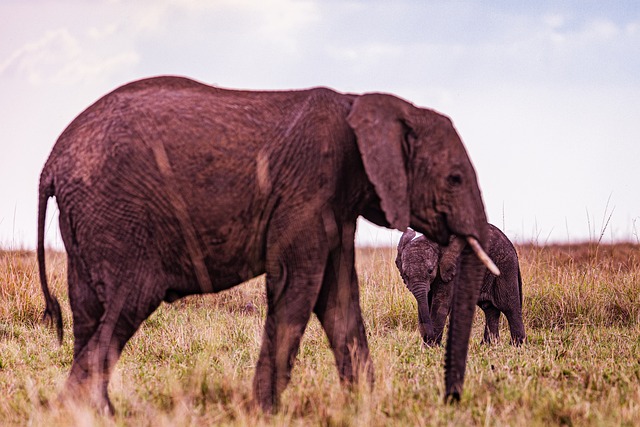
(590, 33)
(79, 70)
(549, 88)
(59, 57)
(371, 57)
(276, 21)
(97, 33)
(555, 20)
(34, 57)
(632, 28)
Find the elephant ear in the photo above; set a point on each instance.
(407, 236)
(377, 122)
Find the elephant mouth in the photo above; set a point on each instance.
(436, 229)
(439, 230)
(474, 243)
(482, 255)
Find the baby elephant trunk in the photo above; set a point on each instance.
(420, 291)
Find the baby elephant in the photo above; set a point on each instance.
(429, 271)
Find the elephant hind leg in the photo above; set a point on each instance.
(516, 326)
(509, 300)
(492, 323)
(91, 369)
(96, 354)
(87, 310)
(94, 357)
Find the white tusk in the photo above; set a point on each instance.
(482, 255)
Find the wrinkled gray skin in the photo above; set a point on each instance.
(430, 270)
(167, 187)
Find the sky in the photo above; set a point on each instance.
(545, 94)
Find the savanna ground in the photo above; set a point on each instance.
(192, 362)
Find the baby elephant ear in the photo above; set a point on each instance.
(380, 133)
(407, 236)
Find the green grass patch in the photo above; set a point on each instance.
(193, 362)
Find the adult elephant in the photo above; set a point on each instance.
(168, 187)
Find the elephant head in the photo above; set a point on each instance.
(428, 270)
(419, 168)
(424, 178)
(417, 261)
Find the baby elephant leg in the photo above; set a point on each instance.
(516, 326)
(492, 323)
(510, 303)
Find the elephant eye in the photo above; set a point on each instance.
(454, 180)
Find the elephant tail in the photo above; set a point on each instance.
(52, 311)
(520, 286)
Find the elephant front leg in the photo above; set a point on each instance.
(288, 313)
(338, 309)
(439, 308)
(295, 267)
(465, 296)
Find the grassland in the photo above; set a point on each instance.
(192, 362)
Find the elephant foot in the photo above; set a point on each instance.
(432, 339)
(517, 341)
(428, 341)
(452, 398)
(265, 398)
(269, 407)
(490, 338)
(87, 395)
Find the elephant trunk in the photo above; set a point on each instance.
(465, 296)
(420, 291)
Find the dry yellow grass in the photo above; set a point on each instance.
(192, 362)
